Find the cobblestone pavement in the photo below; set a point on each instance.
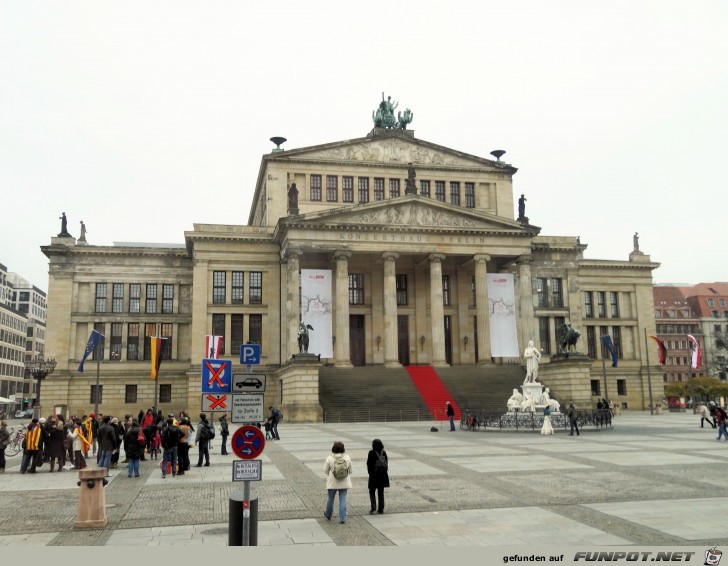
(649, 480)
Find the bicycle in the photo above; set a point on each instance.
(16, 442)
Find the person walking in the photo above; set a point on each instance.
(275, 417)
(133, 449)
(106, 437)
(338, 478)
(573, 414)
(705, 416)
(720, 419)
(30, 448)
(203, 440)
(4, 442)
(56, 449)
(450, 412)
(378, 470)
(224, 433)
(547, 428)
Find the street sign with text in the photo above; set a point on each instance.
(247, 408)
(247, 470)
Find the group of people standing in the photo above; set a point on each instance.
(338, 471)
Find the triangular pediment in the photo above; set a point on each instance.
(411, 211)
(392, 149)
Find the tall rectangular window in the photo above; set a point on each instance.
(218, 287)
(132, 342)
(100, 297)
(332, 188)
(617, 340)
(425, 188)
(117, 297)
(614, 304)
(542, 292)
(255, 291)
(97, 394)
(356, 288)
(166, 333)
(135, 295)
(115, 342)
(255, 329)
(363, 189)
(151, 299)
(378, 189)
(591, 341)
(470, 195)
(588, 304)
(601, 307)
(446, 290)
(402, 290)
(165, 393)
(621, 387)
(454, 192)
(315, 182)
(98, 352)
(130, 394)
(167, 299)
(150, 329)
(544, 334)
(347, 189)
(440, 190)
(393, 188)
(218, 329)
(595, 387)
(236, 332)
(237, 287)
(557, 294)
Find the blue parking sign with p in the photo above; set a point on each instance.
(217, 376)
(250, 354)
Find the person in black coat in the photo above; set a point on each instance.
(224, 433)
(377, 467)
(133, 450)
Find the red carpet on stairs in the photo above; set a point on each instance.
(432, 390)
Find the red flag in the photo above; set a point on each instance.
(212, 347)
(661, 348)
(696, 352)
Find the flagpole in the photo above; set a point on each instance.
(649, 379)
(604, 372)
(98, 371)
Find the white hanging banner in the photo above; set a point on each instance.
(316, 310)
(502, 316)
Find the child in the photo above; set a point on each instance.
(156, 443)
(266, 425)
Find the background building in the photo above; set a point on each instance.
(397, 252)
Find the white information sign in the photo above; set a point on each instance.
(247, 470)
(248, 382)
(247, 408)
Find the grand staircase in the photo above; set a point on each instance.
(374, 393)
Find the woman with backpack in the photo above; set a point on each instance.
(338, 478)
(377, 467)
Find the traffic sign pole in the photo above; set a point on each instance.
(246, 513)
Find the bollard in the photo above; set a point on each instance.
(92, 499)
(235, 519)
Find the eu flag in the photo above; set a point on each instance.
(607, 341)
(93, 341)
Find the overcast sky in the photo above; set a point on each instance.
(142, 118)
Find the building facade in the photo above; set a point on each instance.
(408, 239)
(710, 302)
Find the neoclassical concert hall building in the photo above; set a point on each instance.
(392, 251)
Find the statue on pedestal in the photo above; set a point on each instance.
(82, 237)
(522, 207)
(64, 225)
(636, 241)
(533, 357)
(567, 338)
(528, 404)
(293, 200)
(515, 401)
(303, 337)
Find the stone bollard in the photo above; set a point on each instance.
(92, 499)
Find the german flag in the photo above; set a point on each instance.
(156, 345)
(661, 348)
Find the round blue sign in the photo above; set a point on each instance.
(248, 442)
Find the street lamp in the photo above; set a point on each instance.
(39, 369)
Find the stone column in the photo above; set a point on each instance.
(293, 300)
(436, 311)
(391, 354)
(525, 295)
(481, 308)
(341, 330)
